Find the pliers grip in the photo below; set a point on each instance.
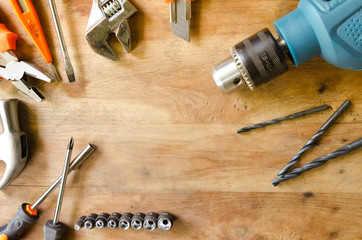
(7, 39)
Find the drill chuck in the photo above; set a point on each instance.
(254, 61)
(329, 29)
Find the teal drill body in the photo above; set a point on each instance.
(330, 29)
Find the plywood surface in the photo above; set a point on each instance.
(165, 135)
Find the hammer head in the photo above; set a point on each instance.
(13, 142)
(107, 17)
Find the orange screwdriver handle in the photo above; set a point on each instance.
(7, 39)
(30, 21)
(3, 237)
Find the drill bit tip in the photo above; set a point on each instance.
(71, 143)
(318, 162)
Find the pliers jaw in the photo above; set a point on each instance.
(18, 71)
(107, 17)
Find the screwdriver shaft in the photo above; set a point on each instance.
(289, 117)
(83, 155)
(68, 65)
(64, 181)
(315, 137)
(319, 161)
(55, 72)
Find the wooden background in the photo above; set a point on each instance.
(165, 135)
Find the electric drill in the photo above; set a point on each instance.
(329, 28)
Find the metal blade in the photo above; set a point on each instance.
(33, 71)
(31, 92)
(182, 27)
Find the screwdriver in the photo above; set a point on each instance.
(68, 65)
(53, 229)
(27, 15)
(27, 213)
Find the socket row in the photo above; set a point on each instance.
(125, 221)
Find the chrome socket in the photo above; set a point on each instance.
(137, 221)
(150, 221)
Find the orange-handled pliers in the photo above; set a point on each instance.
(16, 71)
(27, 15)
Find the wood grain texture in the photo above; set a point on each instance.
(165, 135)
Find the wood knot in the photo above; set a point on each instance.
(308, 194)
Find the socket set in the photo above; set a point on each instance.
(125, 221)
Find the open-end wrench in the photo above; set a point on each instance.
(13, 142)
(106, 17)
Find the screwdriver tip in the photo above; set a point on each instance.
(71, 143)
(70, 71)
(71, 78)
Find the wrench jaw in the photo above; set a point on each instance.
(123, 35)
(108, 17)
(13, 142)
(97, 39)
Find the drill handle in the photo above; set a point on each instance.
(23, 219)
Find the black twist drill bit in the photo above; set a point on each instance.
(315, 137)
(319, 161)
(289, 117)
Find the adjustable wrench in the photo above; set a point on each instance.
(13, 142)
(109, 16)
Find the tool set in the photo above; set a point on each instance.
(150, 222)
(28, 213)
(323, 28)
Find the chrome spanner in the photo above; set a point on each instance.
(106, 17)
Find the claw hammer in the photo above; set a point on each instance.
(13, 142)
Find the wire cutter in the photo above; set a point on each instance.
(15, 70)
